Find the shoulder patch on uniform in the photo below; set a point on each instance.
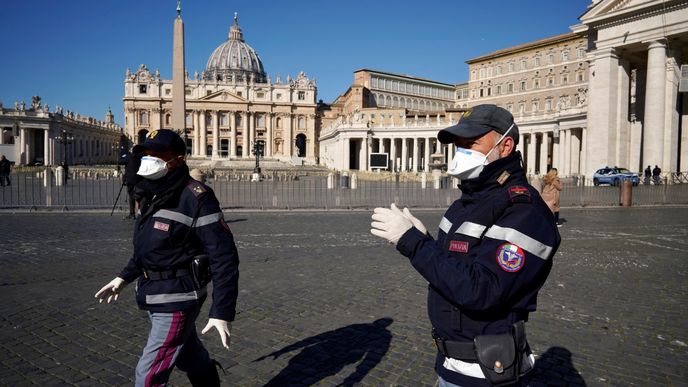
(519, 194)
(196, 187)
(510, 257)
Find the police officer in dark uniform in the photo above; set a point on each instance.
(492, 255)
(181, 241)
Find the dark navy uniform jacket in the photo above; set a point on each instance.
(492, 255)
(191, 212)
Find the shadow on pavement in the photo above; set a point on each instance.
(328, 353)
(555, 367)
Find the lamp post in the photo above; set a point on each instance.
(258, 147)
(65, 138)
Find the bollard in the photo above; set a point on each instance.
(59, 176)
(626, 193)
(330, 180)
(436, 176)
(344, 180)
(197, 175)
(354, 180)
(423, 180)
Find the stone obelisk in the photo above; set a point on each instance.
(178, 77)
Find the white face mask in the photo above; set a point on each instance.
(152, 168)
(468, 163)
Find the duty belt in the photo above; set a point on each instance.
(156, 275)
(461, 350)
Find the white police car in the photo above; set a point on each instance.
(614, 176)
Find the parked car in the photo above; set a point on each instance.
(614, 176)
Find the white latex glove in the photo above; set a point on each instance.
(223, 327)
(111, 291)
(390, 223)
(416, 222)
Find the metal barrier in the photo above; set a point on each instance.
(98, 189)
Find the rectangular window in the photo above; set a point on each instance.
(168, 91)
(536, 84)
(537, 61)
(143, 89)
(510, 88)
(374, 83)
(523, 65)
(302, 95)
(499, 70)
(523, 85)
(550, 58)
(260, 95)
(278, 96)
(224, 119)
(499, 89)
(535, 106)
(564, 56)
(579, 76)
(564, 80)
(511, 67)
(548, 105)
(239, 93)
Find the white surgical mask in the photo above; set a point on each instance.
(152, 168)
(468, 163)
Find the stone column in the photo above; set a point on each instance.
(216, 134)
(251, 130)
(519, 146)
(426, 162)
(363, 155)
(603, 105)
(47, 156)
(404, 154)
(567, 153)
(544, 152)
(392, 152)
(416, 154)
(288, 141)
(197, 134)
(244, 135)
(203, 146)
(583, 153)
(671, 133)
(623, 128)
(269, 134)
(530, 167)
(380, 145)
(233, 134)
(684, 136)
(653, 128)
(575, 153)
(346, 154)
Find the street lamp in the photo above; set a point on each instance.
(258, 147)
(65, 138)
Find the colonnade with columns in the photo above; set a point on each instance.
(559, 148)
(280, 134)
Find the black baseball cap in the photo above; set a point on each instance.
(479, 120)
(162, 140)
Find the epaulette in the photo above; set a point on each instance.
(196, 187)
(519, 194)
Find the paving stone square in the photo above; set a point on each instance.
(323, 302)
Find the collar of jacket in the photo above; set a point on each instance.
(158, 193)
(489, 176)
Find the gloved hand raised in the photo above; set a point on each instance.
(416, 222)
(390, 223)
(111, 290)
(223, 327)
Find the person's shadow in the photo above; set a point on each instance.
(328, 353)
(554, 367)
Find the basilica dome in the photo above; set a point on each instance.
(234, 60)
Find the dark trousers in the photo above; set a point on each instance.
(5, 179)
(132, 202)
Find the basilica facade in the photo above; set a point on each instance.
(230, 106)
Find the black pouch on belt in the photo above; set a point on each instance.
(500, 355)
(200, 270)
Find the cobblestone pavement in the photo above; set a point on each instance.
(323, 302)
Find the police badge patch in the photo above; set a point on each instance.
(510, 257)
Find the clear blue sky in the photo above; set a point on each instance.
(74, 53)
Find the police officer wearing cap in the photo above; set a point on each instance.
(181, 242)
(493, 253)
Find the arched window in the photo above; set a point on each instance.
(143, 118)
(168, 118)
(278, 123)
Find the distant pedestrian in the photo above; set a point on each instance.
(655, 174)
(4, 171)
(648, 172)
(131, 179)
(551, 193)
